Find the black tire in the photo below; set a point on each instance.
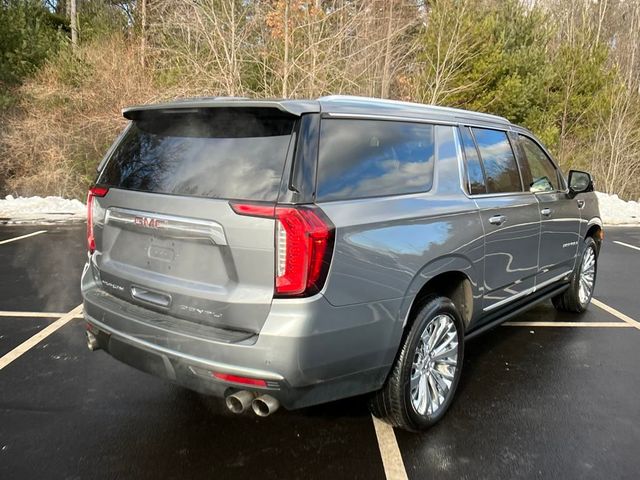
(569, 300)
(393, 402)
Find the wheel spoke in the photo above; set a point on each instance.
(444, 344)
(446, 353)
(435, 398)
(440, 381)
(424, 398)
(415, 378)
(444, 373)
(448, 361)
(435, 337)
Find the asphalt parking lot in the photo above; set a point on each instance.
(546, 396)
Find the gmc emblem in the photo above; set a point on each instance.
(149, 222)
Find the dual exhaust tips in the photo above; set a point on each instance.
(262, 405)
(239, 402)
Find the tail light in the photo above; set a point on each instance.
(304, 246)
(93, 192)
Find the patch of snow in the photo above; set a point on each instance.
(615, 211)
(41, 210)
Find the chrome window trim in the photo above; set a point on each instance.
(463, 170)
(390, 118)
(400, 118)
(462, 167)
(366, 116)
(550, 158)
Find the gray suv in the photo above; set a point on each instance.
(294, 252)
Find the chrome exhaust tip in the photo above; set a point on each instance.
(265, 405)
(92, 342)
(240, 401)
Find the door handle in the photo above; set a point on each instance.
(497, 220)
(546, 212)
(580, 203)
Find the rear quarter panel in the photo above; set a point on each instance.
(387, 248)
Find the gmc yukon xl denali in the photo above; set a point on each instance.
(294, 252)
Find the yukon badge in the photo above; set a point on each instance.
(149, 222)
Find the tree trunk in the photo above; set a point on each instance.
(285, 73)
(143, 32)
(386, 74)
(73, 16)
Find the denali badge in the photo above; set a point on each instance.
(149, 222)
(113, 285)
(200, 311)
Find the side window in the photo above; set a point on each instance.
(368, 158)
(500, 167)
(543, 173)
(475, 175)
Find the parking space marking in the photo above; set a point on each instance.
(22, 236)
(389, 451)
(38, 337)
(626, 245)
(569, 324)
(617, 313)
(31, 314)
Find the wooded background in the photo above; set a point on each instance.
(568, 70)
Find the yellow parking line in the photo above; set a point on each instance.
(568, 324)
(617, 313)
(38, 337)
(389, 451)
(22, 236)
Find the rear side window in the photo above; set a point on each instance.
(500, 167)
(368, 158)
(475, 175)
(214, 153)
(544, 177)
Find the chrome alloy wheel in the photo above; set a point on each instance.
(434, 365)
(587, 276)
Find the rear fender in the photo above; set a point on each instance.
(448, 264)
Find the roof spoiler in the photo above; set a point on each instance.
(293, 107)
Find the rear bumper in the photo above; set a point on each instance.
(301, 356)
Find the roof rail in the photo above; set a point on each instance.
(383, 101)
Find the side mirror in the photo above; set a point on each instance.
(579, 182)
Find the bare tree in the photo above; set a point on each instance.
(453, 49)
(73, 17)
(208, 39)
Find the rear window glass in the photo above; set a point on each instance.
(500, 167)
(368, 158)
(214, 153)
